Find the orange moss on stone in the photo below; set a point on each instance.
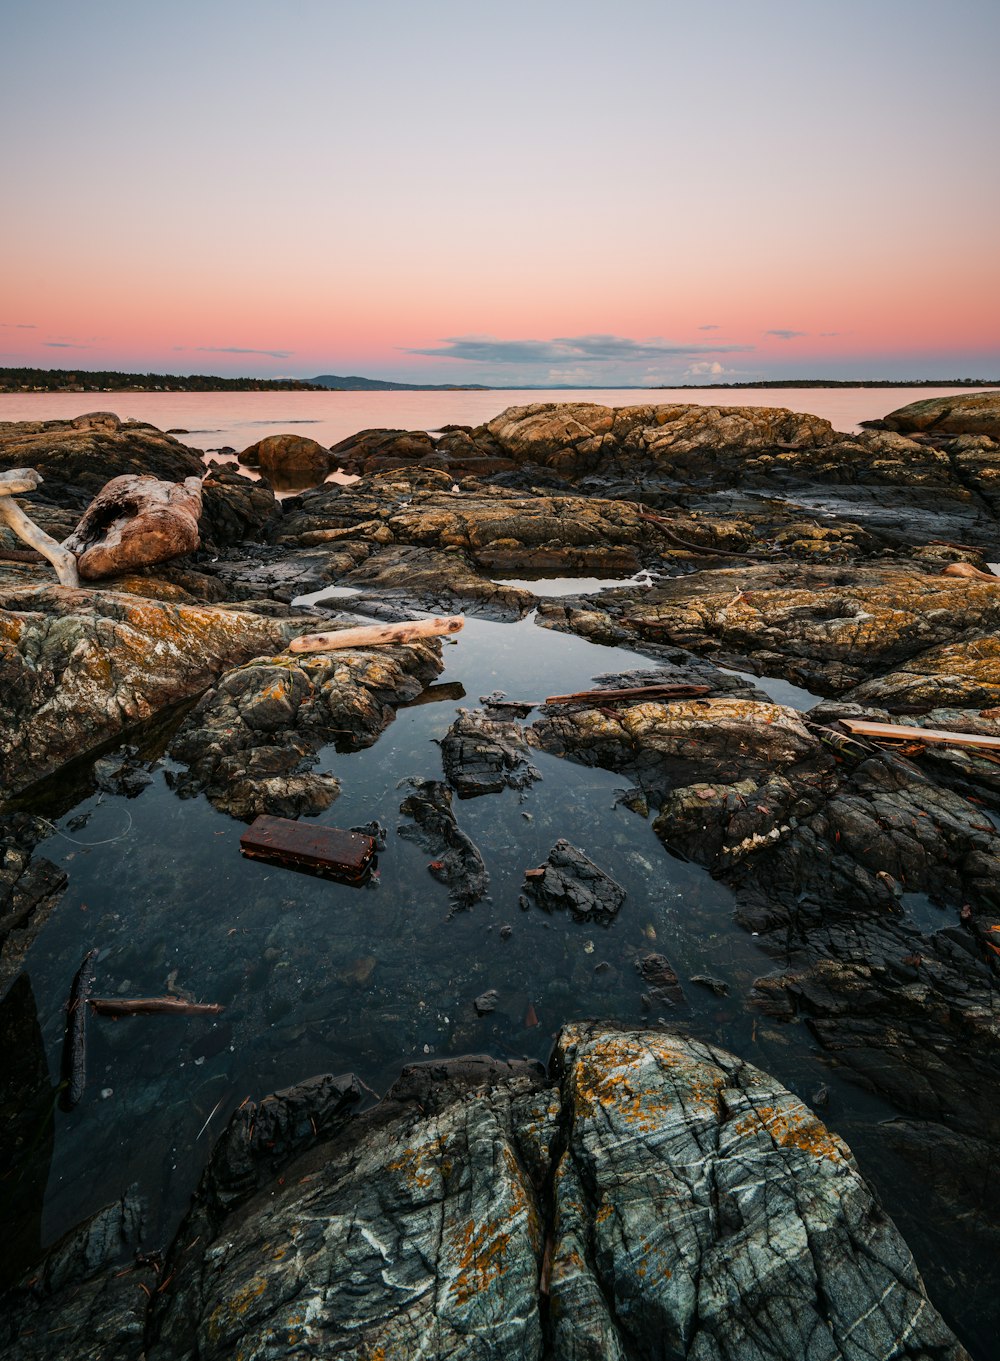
(482, 1259)
(792, 1127)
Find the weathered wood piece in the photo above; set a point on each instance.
(74, 1055)
(136, 521)
(143, 1006)
(328, 851)
(932, 736)
(637, 692)
(17, 482)
(376, 635)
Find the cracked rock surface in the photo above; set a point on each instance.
(651, 1196)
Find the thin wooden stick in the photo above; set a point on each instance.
(74, 1057)
(376, 635)
(141, 1006)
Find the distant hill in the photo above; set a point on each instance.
(98, 380)
(355, 384)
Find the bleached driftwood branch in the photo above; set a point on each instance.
(376, 635)
(16, 483)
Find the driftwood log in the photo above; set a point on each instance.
(74, 1056)
(144, 1006)
(626, 696)
(376, 635)
(931, 736)
(16, 483)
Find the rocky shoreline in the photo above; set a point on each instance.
(761, 542)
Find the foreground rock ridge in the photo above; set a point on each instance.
(651, 1196)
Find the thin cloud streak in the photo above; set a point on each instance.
(786, 335)
(566, 349)
(239, 349)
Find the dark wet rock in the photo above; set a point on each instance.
(121, 774)
(27, 1133)
(289, 461)
(668, 1197)
(718, 986)
(79, 667)
(30, 887)
(235, 508)
(484, 755)
(664, 985)
(496, 702)
(569, 880)
(960, 413)
(81, 1302)
(252, 743)
(457, 860)
(486, 1002)
(77, 459)
(430, 579)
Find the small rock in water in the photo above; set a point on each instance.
(570, 880)
(486, 1002)
(715, 985)
(506, 931)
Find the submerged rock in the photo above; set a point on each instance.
(457, 860)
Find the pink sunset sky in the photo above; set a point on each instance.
(644, 192)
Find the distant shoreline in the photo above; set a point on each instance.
(26, 382)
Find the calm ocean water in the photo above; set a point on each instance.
(238, 419)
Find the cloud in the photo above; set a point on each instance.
(786, 335)
(238, 349)
(65, 345)
(710, 327)
(706, 369)
(566, 350)
(832, 333)
(18, 325)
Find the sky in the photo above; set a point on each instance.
(631, 192)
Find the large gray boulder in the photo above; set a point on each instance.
(652, 1197)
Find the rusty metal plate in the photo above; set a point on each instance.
(328, 851)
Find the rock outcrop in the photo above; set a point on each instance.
(653, 1196)
(960, 413)
(252, 742)
(80, 667)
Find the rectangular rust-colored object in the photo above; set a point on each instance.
(329, 851)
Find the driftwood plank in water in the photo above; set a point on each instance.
(932, 736)
(142, 1006)
(640, 692)
(329, 851)
(74, 1055)
(376, 635)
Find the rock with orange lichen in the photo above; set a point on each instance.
(80, 667)
(652, 1196)
(251, 744)
(703, 1211)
